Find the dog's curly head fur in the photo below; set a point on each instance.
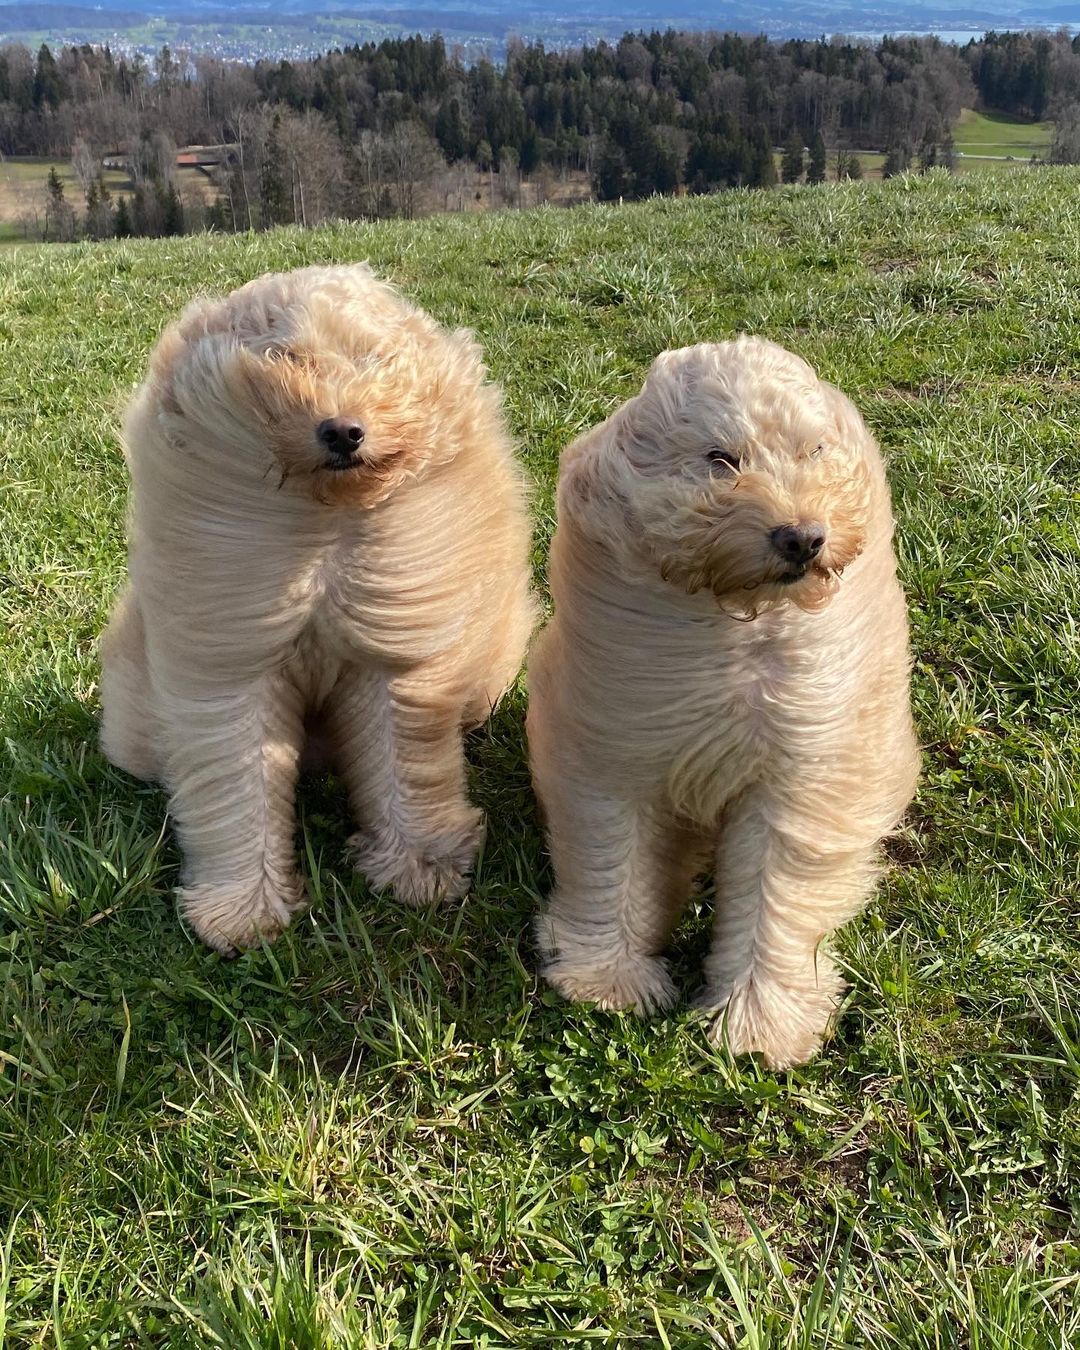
(730, 452)
(255, 376)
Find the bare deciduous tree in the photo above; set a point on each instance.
(312, 155)
(412, 157)
(509, 176)
(84, 164)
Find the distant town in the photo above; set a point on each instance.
(251, 30)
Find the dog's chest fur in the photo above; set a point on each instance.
(376, 592)
(734, 713)
(710, 704)
(362, 609)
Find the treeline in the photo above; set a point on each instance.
(1028, 74)
(1033, 75)
(404, 125)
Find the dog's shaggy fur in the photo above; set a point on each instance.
(281, 595)
(702, 698)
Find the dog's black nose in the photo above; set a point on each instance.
(341, 435)
(799, 543)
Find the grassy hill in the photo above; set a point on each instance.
(382, 1131)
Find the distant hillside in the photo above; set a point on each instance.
(811, 17)
(409, 126)
(252, 28)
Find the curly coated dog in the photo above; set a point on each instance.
(724, 684)
(329, 546)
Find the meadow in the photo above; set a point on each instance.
(383, 1131)
(997, 135)
(24, 188)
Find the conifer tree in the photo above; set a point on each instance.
(815, 170)
(791, 168)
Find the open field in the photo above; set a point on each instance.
(997, 135)
(383, 1131)
(984, 141)
(23, 181)
(26, 176)
(872, 164)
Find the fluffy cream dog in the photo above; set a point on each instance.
(328, 543)
(712, 690)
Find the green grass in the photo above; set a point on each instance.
(383, 1131)
(872, 164)
(997, 135)
(34, 168)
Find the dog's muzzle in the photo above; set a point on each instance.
(342, 438)
(799, 544)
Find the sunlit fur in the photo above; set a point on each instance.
(275, 601)
(688, 709)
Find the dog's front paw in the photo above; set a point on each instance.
(638, 984)
(784, 1024)
(230, 918)
(612, 979)
(419, 875)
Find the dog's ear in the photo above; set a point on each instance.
(465, 341)
(591, 486)
(671, 368)
(164, 361)
(642, 428)
(579, 477)
(855, 438)
(454, 363)
(852, 432)
(677, 374)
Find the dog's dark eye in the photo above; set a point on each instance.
(284, 354)
(724, 457)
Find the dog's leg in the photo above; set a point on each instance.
(233, 763)
(399, 747)
(622, 876)
(130, 734)
(784, 881)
